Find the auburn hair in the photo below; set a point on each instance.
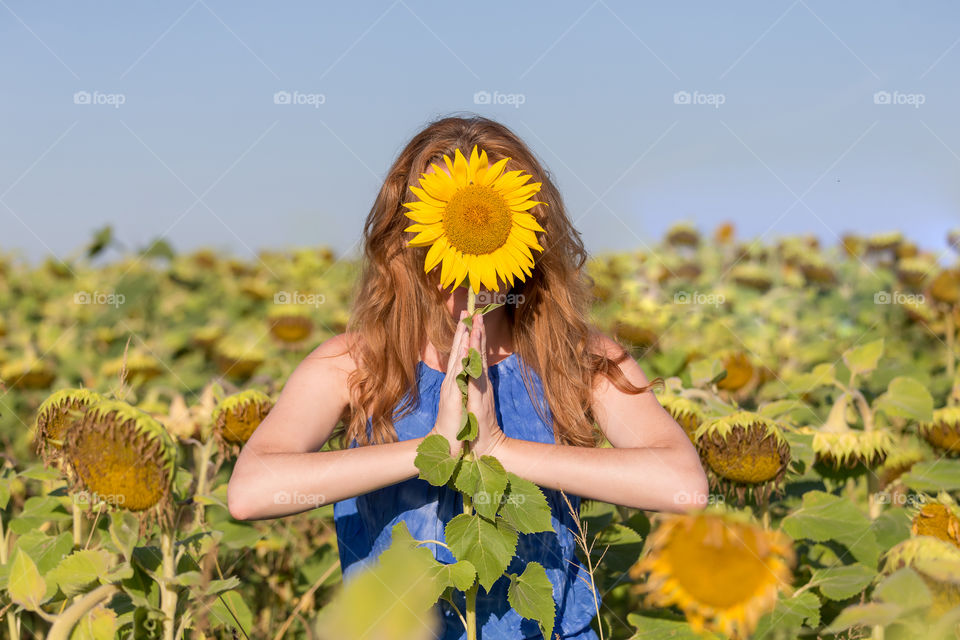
(397, 307)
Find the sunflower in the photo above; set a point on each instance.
(720, 569)
(939, 519)
(476, 221)
(237, 417)
(686, 412)
(745, 453)
(123, 456)
(943, 431)
(57, 415)
(938, 564)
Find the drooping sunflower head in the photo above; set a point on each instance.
(122, 456)
(290, 323)
(939, 518)
(237, 416)
(476, 219)
(58, 414)
(943, 431)
(720, 569)
(744, 452)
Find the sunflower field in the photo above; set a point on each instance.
(819, 385)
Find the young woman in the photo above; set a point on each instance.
(552, 389)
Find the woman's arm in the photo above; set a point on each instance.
(280, 470)
(652, 464)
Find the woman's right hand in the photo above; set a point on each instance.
(451, 400)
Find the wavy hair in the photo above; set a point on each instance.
(397, 307)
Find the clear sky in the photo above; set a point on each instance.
(161, 119)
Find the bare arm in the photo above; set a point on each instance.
(281, 472)
(652, 464)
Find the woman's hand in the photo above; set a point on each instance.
(480, 398)
(451, 400)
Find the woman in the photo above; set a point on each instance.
(551, 390)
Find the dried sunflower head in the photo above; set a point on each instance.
(122, 456)
(290, 323)
(57, 415)
(744, 452)
(237, 416)
(943, 432)
(842, 451)
(739, 371)
(752, 275)
(27, 373)
(939, 519)
(720, 569)
(683, 234)
(945, 287)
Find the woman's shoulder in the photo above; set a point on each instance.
(333, 361)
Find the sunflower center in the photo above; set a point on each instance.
(718, 572)
(477, 220)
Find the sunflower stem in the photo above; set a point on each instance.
(470, 612)
(168, 592)
(77, 524)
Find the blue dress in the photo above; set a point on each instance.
(364, 523)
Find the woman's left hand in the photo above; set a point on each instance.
(480, 398)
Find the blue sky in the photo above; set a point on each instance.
(783, 132)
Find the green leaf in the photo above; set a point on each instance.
(489, 307)
(705, 372)
(473, 363)
(933, 476)
(469, 427)
(37, 511)
(906, 398)
(124, 532)
(229, 610)
(100, 623)
(434, 460)
(840, 583)
(78, 570)
(46, 551)
(864, 358)
(788, 616)
(26, 586)
(870, 614)
(821, 376)
(486, 545)
(531, 595)
(905, 588)
(485, 481)
(661, 628)
(525, 507)
(824, 517)
(459, 575)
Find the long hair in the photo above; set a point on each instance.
(398, 307)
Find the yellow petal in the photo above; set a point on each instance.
(472, 165)
(459, 169)
(424, 238)
(434, 254)
(494, 171)
(445, 269)
(524, 206)
(507, 182)
(527, 221)
(433, 216)
(461, 271)
(481, 169)
(440, 186)
(472, 274)
(426, 197)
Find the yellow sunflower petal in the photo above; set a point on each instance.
(426, 197)
(425, 217)
(459, 169)
(527, 221)
(472, 165)
(494, 172)
(524, 206)
(434, 254)
(439, 186)
(481, 169)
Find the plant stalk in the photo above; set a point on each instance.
(168, 592)
(67, 620)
